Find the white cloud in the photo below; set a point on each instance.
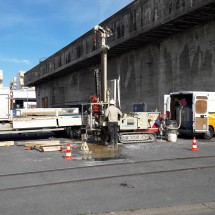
(15, 61)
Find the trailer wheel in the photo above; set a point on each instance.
(208, 135)
(69, 132)
(73, 132)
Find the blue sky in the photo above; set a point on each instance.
(34, 29)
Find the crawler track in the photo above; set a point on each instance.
(137, 137)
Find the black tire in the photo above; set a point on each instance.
(73, 132)
(209, 134)
(70, 132)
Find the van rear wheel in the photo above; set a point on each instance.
(208, 135)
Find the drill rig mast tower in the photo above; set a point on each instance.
(104, 33)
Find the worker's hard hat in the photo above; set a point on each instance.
(112, 102)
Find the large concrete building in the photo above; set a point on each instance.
(17, 82)
(157, 47)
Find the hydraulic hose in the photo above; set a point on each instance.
(179, 121)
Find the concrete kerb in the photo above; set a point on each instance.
(194, 209)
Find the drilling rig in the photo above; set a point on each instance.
(134, 127)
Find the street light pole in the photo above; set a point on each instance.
(27, 97)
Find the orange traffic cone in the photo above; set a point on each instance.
(194, 148)
(68, 153)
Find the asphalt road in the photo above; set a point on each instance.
(148, 178)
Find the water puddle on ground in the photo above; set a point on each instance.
(102, 153)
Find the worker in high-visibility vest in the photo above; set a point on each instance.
(113, 113)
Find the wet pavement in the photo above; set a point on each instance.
(99, 152)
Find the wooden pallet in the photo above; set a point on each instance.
(44, 146)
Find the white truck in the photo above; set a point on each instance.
(37, 119)
(198, 113)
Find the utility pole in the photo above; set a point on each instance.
(104, 33)
(11, 95)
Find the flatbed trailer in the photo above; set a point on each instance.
(37, 119)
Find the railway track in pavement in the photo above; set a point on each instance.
(122, 169)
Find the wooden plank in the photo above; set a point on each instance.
(7, 143)
(47, 148)
(38, 148)
(43, 143)
(50, 148)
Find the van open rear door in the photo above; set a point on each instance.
(167, 106)
(200, 109)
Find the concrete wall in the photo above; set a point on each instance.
(183, 61)
(68, 90)
(138, 18)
